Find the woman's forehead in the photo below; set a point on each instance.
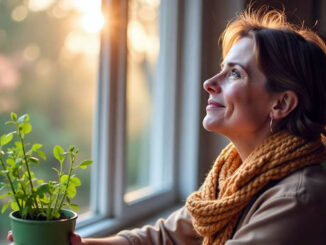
(241, 52)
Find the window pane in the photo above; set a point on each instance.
(143, 51)
(48, 69)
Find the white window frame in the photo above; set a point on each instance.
(109, 210)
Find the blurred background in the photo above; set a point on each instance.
(49, 55)
(48, 68)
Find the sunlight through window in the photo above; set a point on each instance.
(48, 69)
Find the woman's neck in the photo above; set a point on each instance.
(246, 144)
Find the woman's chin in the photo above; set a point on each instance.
(209, 125)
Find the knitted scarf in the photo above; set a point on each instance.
(231, 183)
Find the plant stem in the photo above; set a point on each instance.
(22, 187)
(11, 185)
(57, 197)
(27, 167)
(42, 207)
(49, 214)
(72, 160)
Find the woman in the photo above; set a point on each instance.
(267, 186)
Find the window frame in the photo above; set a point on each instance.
(109, 212)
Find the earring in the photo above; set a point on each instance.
(271, 125)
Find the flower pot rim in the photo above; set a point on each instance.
(74, 216)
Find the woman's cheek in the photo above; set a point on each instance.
(235, 98)
(232, 94)
(236, 92)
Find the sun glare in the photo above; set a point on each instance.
(93, 22)
(39, 5)
(87, 5)
(92, 19)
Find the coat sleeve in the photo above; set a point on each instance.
(275, 219)
(176, 229)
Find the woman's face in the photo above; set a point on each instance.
(238, 103)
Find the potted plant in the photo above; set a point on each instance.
(41, 210)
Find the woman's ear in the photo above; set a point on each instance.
(285, 102)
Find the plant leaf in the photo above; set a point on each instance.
(4, 207)
(40, 182)
(56, 214)
(41, 154)
(2, 186)
(15, 184)
(14, 206)
(58, 153)
(71, 148)
(58, 172)
(34, 160)
(23, 118)
(26, 128)
(75, 181)
(18, 162)
(71, 191)
(43, 188)
(4, 195)
(19, 145)
(13, 116)
(85, 163)
(4, 172)
(15, 172)
(64, 179)
(10, 161)
(74, 206)
(35, 147)
(6, 138)
(10, 122)
(20, 194)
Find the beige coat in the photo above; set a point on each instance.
(290, 211)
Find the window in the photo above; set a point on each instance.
(136, 122)
(135, 137)
(146, 119)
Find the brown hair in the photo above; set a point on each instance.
(292, 58)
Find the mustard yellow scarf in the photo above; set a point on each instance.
(231, 184)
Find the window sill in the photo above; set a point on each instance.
(106, 227)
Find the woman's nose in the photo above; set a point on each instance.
(212, 85)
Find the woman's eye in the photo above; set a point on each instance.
(234, 73)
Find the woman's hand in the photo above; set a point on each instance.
(75, 239)
(9, 236)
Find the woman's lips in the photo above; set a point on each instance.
(214, 105)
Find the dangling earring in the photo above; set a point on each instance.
(271, 125)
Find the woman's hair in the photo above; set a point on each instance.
(292, 58)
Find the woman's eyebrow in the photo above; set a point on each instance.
(232, 64)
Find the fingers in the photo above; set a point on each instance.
(9, 236)
(75, 239)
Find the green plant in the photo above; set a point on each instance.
(35, 198)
